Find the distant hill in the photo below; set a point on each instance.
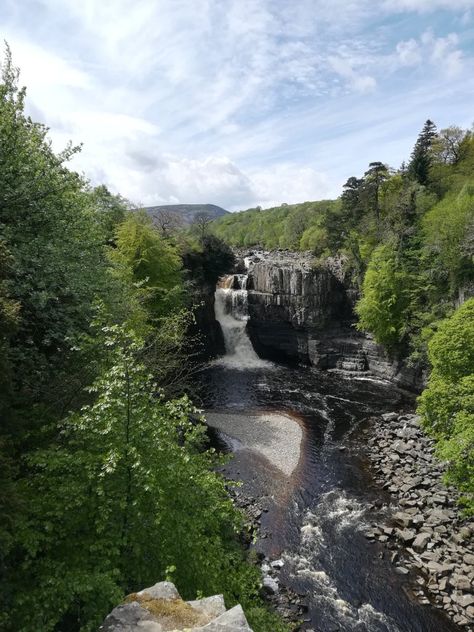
(187, 211)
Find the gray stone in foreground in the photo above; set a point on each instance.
(232, 621)
(128, 617)
(211, 606)
(270, 585)
(161, 590)
(133, 617)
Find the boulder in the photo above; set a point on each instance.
(161, 590)
(421, 541)
(161, 609)
(406, 535)
(270, 585)
(231, 621)
(212, 606)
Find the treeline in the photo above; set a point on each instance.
(291, 226)
(406, 239)
(106, 484)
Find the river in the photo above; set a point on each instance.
(316, 518)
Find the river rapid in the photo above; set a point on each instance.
(316, 518)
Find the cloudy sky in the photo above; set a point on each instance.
(240, 102)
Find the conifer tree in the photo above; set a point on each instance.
(421, 156)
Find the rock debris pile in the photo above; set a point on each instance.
(429, 538)
(161, 609)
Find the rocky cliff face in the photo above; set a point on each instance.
(301, 312)
(160, 608)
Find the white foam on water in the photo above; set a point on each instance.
(335, 512)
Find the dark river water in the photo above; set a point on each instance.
(349, 583)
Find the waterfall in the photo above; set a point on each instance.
(231, 310)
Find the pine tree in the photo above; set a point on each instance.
(376, 174)
(421, 156)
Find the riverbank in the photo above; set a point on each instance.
(429, 539)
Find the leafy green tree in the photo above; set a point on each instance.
(449, 146)
(109, 211)
(386, 295)
(446, 229)
(149, 260)
(56, 260)
(210, 260)
(447, 404)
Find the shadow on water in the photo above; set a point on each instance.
(349, 583)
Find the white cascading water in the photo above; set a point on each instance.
(231, 310)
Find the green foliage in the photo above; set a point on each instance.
(385, 299)
(124, 494)
(151, 261)
(286, 226)
(446, 229)
(208, 260)
(51, 231)
(447, 404)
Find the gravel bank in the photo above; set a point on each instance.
(275, 436)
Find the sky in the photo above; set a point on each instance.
(240, 102)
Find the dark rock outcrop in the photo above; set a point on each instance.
(206, 327)
(305, 313)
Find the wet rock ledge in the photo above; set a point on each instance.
(431, 542)
(160, 608)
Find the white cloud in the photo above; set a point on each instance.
(409, 53)
(441, 52)
(359, 82)
(444, 53)
(41, 69)
(424, 6)
(289, 182)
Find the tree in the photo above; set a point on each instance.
(446, 228)
(373, 179)
(422, 155)
(109, 211)
(447, 404)
(57, 263)
(213, 259)
(449, 146)
(201, 222)
(167, 222)
(385, 297)
(150, 261)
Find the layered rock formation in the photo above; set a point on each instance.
(161, 609)
(302, 312)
